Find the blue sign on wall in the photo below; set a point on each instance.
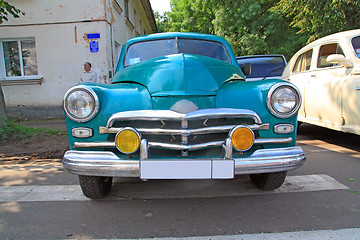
(94, 46)
(92, 35)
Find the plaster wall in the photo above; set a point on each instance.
(59, 29)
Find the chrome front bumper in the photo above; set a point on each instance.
(100, 163)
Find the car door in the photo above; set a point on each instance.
(351, 91)
(300, 75)
(324, 89)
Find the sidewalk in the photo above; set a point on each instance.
(58, 124)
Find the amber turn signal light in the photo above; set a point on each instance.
(242, 138)
(127, 140)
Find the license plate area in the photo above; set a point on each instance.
(189, 169)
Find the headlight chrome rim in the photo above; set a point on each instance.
(128, 129)
(92, 94)
(276, 87)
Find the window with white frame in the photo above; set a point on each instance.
(19, 58)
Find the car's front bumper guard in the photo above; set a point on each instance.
(102, 163)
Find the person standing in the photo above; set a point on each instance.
(88, 75)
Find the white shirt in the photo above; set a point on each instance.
(90, 76)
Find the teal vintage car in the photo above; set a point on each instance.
(179, 107)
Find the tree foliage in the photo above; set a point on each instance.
(162, 21)
(193, 16)
(252, 28)
(262, 26)
(6, 9)
(318, 18)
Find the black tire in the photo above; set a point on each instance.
(95, 187)
(268, 181)
(298, 125)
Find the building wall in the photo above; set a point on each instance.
(59, 29)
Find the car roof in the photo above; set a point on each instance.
(336, 36)
(177, 34)
(333, 37)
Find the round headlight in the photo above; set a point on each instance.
(127, 140)
(283, 100)
(242, 138)
(81, 103)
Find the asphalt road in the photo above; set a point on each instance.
(320, 200)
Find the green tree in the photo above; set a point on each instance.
(193, 16)
(251, 26)
(318, 18)
(5, 10)
(162, 21)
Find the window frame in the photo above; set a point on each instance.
(176, 40)
(320, 54)
(352, 46)
(302, 58)
(254, 60)
(126, 11)
(23, 79)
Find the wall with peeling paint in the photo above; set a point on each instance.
(60, 28)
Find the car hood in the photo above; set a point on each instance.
(180, 75)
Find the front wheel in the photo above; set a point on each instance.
(95, 187)
(268, 181)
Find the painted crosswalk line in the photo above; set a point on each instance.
(154, 190)
(339, 234)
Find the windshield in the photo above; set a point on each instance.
(142, 51)
(356, 45)
(264, 66)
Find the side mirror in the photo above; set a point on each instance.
(246, 68)
(339, 59)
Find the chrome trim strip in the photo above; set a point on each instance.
(108, 164)
(228, 147)
(185, 147)
(273, 140)
(184, 138)
(93, 144)
(144, 149)
(217, 129)
(153, 115)
(182, 147)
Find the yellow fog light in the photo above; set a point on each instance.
(242, 138)
(127, 140)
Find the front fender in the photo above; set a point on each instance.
(112, 99)
(253, 95)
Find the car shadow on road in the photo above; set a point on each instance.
(312, 132)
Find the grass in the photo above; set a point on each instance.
(12, 132)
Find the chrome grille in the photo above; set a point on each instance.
(199, 129)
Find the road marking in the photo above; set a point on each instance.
(168, 189)
(329, 147)
(339, 234)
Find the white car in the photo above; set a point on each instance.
(327, 73)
